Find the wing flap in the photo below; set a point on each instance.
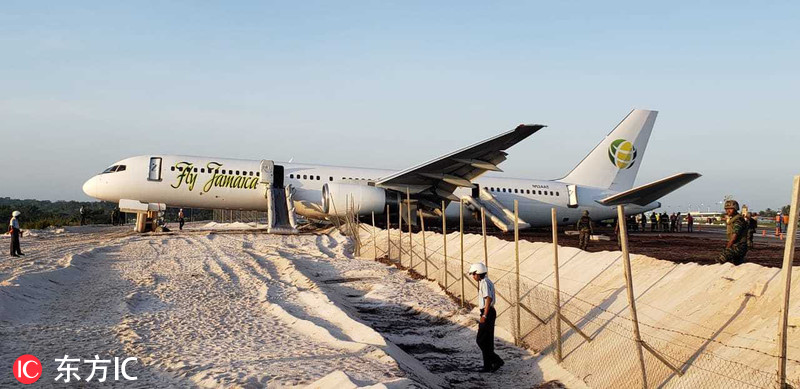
(646, 194)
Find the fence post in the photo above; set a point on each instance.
(461, 231)
(626, 261)
(483, 228)
(388, 235)
(410, 235)
(444, 236)
(788, 259)
(400, 231)
(374, 241)
(554, 221)
(518, 337)
(424, 246)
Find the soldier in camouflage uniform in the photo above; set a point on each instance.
(752, 225)
(585, 228)
(736, 249)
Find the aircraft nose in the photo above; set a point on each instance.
(90, 187)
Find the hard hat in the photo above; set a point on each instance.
(479, 268)
(732, 204)
(15, 213)
(585, 212)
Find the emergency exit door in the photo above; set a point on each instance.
(572, 196)
(154, 172)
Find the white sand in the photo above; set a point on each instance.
(251, 310)
(717, 322)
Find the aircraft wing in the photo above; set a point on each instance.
(442, 175)
(646, 194)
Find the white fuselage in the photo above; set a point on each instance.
(222, 183)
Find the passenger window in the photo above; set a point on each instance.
(515, 191)
(172, 168)
(305, 177)
(291, 176)
(195, 170)
(251, 173)
(557, 194)
(202, 170)
(258, 174)
(237, 173)
(551, 193)
(330, 178)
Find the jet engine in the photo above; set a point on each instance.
(338, 197)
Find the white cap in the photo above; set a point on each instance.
(15, 213)
(479, 268)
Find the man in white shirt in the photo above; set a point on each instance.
(13, 228)
(486, 299)
(180, 219)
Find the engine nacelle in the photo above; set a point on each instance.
(338, 197)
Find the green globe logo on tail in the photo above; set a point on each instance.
(622, 153)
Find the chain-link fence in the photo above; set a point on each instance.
(234, 216)
(597, 342)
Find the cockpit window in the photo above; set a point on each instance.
(113, 169)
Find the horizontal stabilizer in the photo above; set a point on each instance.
(646, 194)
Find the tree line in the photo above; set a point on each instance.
(40, 214)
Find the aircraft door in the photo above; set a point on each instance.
(154, 171)
(277, 177)
(476, 191)
(267, 171)
(572, 196)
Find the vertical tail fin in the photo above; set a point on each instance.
(614, 162)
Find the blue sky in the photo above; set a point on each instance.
(391, 84)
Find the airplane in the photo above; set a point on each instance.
(466, 180)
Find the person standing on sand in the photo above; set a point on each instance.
(83, 216)
(689, 222)
(13, 228)
(584, 230)
(485, 338)
(180, 219)
(653, 221)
